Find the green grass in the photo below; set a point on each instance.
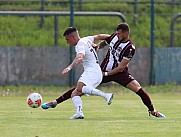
(25, 31)
(125, 117)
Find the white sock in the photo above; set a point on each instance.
(93, 91)
(77, 103)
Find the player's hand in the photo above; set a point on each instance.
(66, 70)
(96, 46)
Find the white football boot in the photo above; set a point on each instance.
(77, 115)
(109, 98)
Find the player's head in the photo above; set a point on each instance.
(123, 31)
(71, 35)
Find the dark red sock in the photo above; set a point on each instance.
(65, 96)
(146, 99)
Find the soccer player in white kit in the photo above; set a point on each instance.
(92, 75)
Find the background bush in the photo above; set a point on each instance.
(26, 30)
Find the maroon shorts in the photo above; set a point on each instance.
(122, 78)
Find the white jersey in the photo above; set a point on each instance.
(92, 75)
(84, 46)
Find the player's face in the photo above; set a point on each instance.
(121, 35)
(70, 40)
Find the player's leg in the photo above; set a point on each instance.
(91, 82)
(135, 87)
(65, 96)
(93, 91)
(62, 98)
(76, 100)
(125, 79)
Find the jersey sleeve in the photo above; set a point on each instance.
(129, 52)
(91, 38)
(83, 43)
(80, 48)
(109, 39)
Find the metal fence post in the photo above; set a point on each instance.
(80, 5)
(55, 30)
(172, 28)
(72, 72)
(152, 72)
(135, 11)
(42, 16)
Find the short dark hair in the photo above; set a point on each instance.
(123, 27)
(69, 30)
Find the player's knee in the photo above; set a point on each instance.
(79, 89)
(76, 92)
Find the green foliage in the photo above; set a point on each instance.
(26, 30)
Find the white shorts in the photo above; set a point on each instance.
(91, 78)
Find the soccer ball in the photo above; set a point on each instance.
(34, 100)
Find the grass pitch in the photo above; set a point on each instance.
(125, 117)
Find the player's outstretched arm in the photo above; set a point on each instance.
(102, 44)
(77, 60)
(100, 37)
(118, 69)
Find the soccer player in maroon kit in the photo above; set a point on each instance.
(115, 67)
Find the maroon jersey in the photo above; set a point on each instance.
(117, 51)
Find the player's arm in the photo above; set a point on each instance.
(104, 43)
(100, 45)
(77, 60)
(124, 63)
(127, 56)
(97, 38)
(100, 37)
